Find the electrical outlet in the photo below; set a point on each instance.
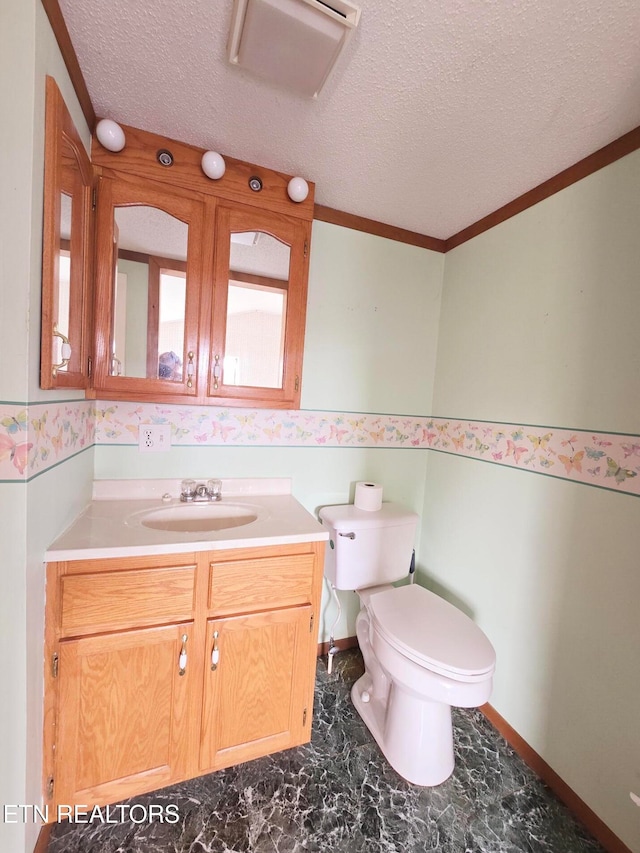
(154, 438)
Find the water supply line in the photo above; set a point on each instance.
(333, 649)
(412, 567)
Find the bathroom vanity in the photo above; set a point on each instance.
(170, 654)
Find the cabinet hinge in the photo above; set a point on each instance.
(50, 784)
(94, 198)
(306, 248)
(311, 623)
(304, 717)
(55, 663)
(297, 385)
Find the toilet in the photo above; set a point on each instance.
(421, 654)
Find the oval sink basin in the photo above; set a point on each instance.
(197, 518)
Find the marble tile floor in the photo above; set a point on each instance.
(337, 794)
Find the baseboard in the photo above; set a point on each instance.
(347, 643)
(43, 839)
(572, 801)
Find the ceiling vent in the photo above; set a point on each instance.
(293, 43)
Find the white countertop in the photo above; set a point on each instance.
(111, 528)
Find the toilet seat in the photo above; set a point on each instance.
(431, 632)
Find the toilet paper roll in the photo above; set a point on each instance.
(368, 496)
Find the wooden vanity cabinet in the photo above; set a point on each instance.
(118, 703)
(261, 647)
(159, 669)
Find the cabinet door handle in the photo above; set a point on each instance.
(65, 351)
(216, 372)
(190, 369)
(182, 660)
(215, 652)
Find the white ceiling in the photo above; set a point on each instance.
(438, 113)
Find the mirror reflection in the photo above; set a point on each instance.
(68, 274)
(59, 355)
(256, 310)
(150, 254)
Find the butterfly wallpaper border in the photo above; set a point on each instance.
(39, 436)
(607, 460)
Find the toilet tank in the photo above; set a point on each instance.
(368, 548)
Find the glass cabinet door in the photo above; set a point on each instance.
(259, 298)
(148, 283)
(66, 252)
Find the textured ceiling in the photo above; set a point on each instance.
(438, 113)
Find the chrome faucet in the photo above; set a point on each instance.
(191, 491)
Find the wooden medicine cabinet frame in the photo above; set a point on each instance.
(223, 203)
(294, 234)
(115, 192)
(212, 209)
(67, 170)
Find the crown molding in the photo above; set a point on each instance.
(61, 33)
(583, 168)
(626, 144)
(380, 229)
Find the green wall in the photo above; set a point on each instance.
(372, 323)
(539, 325)
(33, 513)
(137, 302)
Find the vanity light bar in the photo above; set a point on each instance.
(224, 177)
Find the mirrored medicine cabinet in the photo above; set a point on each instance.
(148, 243)
(199, 287)
(67, 251)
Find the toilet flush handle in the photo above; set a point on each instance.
(348, 535)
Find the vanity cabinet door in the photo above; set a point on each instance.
(256, 685)
(148, 271)
(257, 317)
(124, 711)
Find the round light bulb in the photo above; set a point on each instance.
(213, 165)
(110, 135)
(298, 189)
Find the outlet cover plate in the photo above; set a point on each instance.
(154, 438)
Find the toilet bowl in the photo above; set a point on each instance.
(422, 655)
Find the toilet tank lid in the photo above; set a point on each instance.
(349, 516)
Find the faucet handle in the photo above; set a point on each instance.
(214, 489)
(187, 490)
